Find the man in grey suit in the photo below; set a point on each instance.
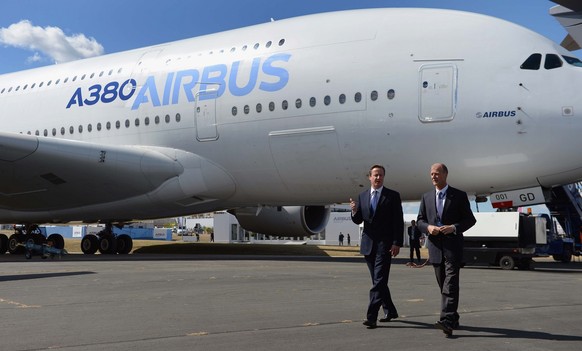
(444, 214)
(381, 211)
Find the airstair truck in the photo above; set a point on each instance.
(505, 239)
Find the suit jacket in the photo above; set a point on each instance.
(386, 225)
(414, 233)
(456, 211)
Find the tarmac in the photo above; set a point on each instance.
(201, 302)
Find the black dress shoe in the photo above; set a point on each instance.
(388, 317)
(445, 327)
(369, 324)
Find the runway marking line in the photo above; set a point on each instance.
(17, 304)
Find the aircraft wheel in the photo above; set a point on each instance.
(124, 244)
(90, 244)
(3, 244)
(14, 243)
(107, 244)
(58, 241)
(507, 262)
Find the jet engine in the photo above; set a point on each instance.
(287, 221)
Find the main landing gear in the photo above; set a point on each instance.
(31, 234)
(106, 242)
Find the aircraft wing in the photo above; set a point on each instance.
(38, 173)
(569, 14)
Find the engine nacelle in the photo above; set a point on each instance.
(291, 221)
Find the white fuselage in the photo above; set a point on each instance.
(294, 112)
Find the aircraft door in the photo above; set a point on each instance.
(437, 92)
(205, 114)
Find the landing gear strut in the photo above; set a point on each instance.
(106, 242)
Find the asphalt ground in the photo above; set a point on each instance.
(266, 302)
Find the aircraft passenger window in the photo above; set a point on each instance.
(17, 88)
(391, 94)
(40, 86)
(178, 117)
(232, 49)
(101, 74)
(57, 82)
(312, 102)
(281, 42)
(137, 122)
(62, 130)
(2, 92)
(117, 124)
(298, 103)
(108, 126)
(37, 133)
(342, 98)
(66, 80)
(268, 45)
(327, 100)
(374, 95)
(110, 72)
(284, 104)
(80, 129)
(31, 87)
(552, 61)
(259, 108)
(256, 46)
(92, 75)
(83, 77)
(157, 120)
(246, 109)
(127, 123)
(358, 97)
(27, 132)
(146, 121)
(74, 78)
(533, 62)
(234, 110)
(9, 90)
(24, 88)
(45, 132)
(54, 131)
(89, 128)
(98, 127)
(49, 83)
(71, 130)
(167, 118)
(244, 47)
(271, 106)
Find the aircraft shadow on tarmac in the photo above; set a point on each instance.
(488, 332)
(7, 278)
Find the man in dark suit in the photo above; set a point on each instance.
(381, 211)
(414, 236)
(444, 214)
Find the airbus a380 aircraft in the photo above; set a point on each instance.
(278, 120)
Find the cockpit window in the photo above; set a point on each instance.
(533, 62)
(573, 61)
(552, 61)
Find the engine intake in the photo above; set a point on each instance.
(289, 221)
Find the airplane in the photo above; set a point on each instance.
(275, 122)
